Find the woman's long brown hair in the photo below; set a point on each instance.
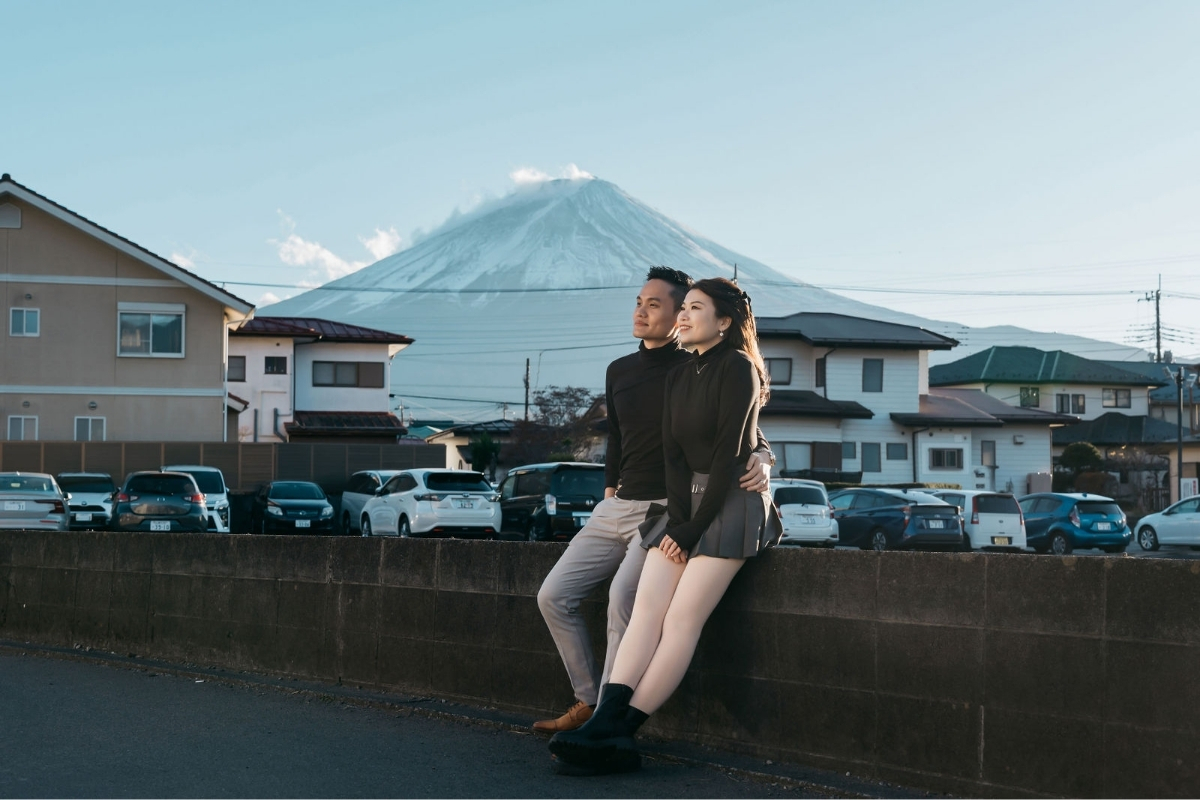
(730, 301)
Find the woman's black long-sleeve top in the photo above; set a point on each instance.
(710, 425)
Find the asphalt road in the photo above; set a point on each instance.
(72, 728)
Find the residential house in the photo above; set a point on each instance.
(305, 379)
(457, 441)
(850, 400)
(106, 340)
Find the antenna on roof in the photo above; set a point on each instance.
(735, 272)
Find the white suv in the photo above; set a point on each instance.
(216, 494)
(803, 507)
(433, 502)
(991, 520)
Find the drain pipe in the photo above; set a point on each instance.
(825, 358)
(275, 427)
(256, 425)
(914, 451)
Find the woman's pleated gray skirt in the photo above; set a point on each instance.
(746, 524)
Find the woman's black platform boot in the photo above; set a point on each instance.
(604, 742)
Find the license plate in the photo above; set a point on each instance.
(83, 517)
(303, 523)
(14, 505)
(464, 504)
(160, 525)
(935, 523)
(808, 519)
(1001, 540)
(1104, 526)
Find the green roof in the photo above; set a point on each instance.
(1028, 365)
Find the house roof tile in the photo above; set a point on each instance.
(840, 330)
(1028, 365)
(345, 422)
(1115, 428)
(973, 408)
(323, 329)
(801, 403)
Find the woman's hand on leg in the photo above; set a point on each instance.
(672, 550)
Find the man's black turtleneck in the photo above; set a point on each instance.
(634, 390)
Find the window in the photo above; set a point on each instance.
(796, 456)
(1078, 404)
(827, 455)
(1062, 403)
(1116, 398)
(987, 452)
(24, 322)
(236, 372)
(945, 458)
(1031, 397)
(22, 429)
(363, 374)
(870, 457)
(897, 451)
(849, 451)
(872, 375)
(780, 371)
(275, 365)
(820, 372)
(532, 483)
(89, 429)
(150, 330)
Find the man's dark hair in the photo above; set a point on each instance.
(680, 282)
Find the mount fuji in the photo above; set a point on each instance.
(549, 273)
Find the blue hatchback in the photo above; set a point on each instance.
(1059, 523)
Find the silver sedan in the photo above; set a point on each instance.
(32, 501)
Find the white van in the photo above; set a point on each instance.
(216, 494)
(991, 520)
(803, 507)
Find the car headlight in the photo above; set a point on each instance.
(326, 512)
(275, 511)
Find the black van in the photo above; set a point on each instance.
(549, 502)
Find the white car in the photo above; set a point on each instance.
(803, 507)
(991, 520)
(361, 487)
(211, 483)
(91, 498)
(433, 502)
(1177, 524)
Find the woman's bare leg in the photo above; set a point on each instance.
(696, 593)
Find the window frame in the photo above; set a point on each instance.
(1081, 406)
(866, 461)
(820, 374)
(888, 451)
(781, 361)
(267, 361)
(1116, 395)
(358, 374)
(935, 451)
(25, 311)
(983, 452)
(853, 448)
(1030, 397)
(91, 424)
(872, 361)
(229, 370)
(24, 420)
(152, 310)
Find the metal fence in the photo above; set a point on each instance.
(245, 466)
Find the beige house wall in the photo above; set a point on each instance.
(77, 282)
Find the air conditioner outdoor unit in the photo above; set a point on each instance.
(1018, 438)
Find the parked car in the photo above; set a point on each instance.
(291, 507)
(216, 494)
(1177, 524)
(1059, 523)
(991, 520)
(433, 502)
(886, 519)
(91, 500)
(550, 502)
(361, 487)
(32, 501)
(803, 506)
(160, 501)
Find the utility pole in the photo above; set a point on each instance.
(527, 390)
(1156, 296)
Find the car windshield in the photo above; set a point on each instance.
(296, 491)
(1098, 507)
(26, 483)
(904, 498)
(160, 484)
(578, 483)
(457, 482)
(209, 482)
(997, 504)
(87, 484)
(795, 495)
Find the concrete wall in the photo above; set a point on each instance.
(968, 673)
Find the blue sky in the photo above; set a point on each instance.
(964, 148)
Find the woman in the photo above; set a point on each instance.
(711, 525)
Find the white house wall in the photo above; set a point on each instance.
(340, 398)
(1010, 393)
(901, 379)
(803, 361)
(265, 393)
(881, 430)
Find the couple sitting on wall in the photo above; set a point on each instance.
(687, 474)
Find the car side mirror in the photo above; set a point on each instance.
(380, 492)
(66, 495)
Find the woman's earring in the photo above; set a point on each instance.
(721, 333)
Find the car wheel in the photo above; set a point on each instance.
(966, 542)
(403, 528)
(1060, 544)
(366, 526)
(1148, 538)
(346, 527)
(879, 541)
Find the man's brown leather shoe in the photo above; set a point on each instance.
(576, 715)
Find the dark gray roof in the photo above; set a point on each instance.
(973, 408)
(840, 330)
(1029, 365)
(801, 403)
(1115, 428)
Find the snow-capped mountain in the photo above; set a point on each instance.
(550, 273)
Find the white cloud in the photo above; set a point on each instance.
(525, 176)
(383, 243)
(268, 298)
(182, 260)
(299, 252)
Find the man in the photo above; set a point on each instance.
(635, 477)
